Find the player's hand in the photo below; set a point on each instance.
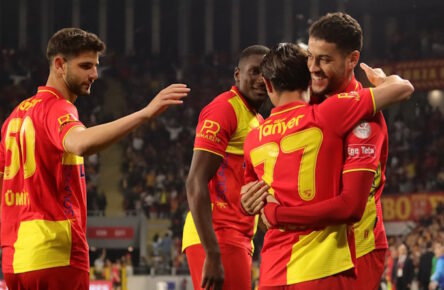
(171, 95)
(270, 199)
(375, 75)
(213, 272)
(253, 195)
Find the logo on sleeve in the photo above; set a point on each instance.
(361, 151)
(65, 119)
(363, 130)
(349, 95)
(209, 131)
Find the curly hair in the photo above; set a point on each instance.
(338, 28)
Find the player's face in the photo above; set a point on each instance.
(249, 80)
(81, 72)
(328, 67)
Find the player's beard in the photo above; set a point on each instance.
(75, 85)
(335, 83)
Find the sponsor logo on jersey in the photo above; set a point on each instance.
(363, 130)
(209, 131)
(361, 151)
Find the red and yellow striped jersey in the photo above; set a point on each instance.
(298, 151)
(366, 148)
(223, 125)
(44, 195)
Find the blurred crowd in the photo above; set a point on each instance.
(412, 259)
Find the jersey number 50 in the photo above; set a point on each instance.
(309, 141)
(26, 147)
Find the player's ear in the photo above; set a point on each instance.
(353, 59)
(59, 63)
(236, 74)
(268, 85)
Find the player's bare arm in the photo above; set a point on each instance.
(253, 196)
(85, 141)
(204, 166)
(388, 89)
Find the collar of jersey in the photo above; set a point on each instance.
(353, 85)
(287, 107)
(44, 89)
(236, 92)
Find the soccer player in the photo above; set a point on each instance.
(298, 152)
(43, 207)
(217, 235)
(335, 42)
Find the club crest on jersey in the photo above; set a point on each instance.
(363, 130)
(209, 131)
(350, 95)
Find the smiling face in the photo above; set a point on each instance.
(249, 80)
(80, 72)
(330, 68)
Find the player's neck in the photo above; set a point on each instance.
(60, 85)
(290, 97)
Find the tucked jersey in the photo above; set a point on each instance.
(43, 205)
(298, 151)
(366, 148)
(222, 127)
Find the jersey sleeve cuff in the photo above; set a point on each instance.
(358, 169)
(373, 101)
(209, 150)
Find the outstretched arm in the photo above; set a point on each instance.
(204, 166)
(85, 141)
(348, 207)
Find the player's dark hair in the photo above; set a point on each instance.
(338, 28)
(286, 67)
(253, 50)
(70, 42)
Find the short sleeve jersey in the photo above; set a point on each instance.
(43, 206)
(298, 151)
(366, 148)
(222, 127)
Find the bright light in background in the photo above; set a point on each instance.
(435, 98)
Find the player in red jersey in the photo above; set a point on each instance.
(217, 235)
(306, 142)
(43, 208)
(335, 41)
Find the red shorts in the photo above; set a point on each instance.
(236, 262)
(341, 281)
(370, 269)
(66, 278)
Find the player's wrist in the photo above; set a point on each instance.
(270, 210)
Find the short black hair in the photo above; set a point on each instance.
(70, 42)
(286, 67)
(256, 49)
(338, 28)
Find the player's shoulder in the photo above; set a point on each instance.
(370, 128)
(220, 105)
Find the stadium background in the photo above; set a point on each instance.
(136, 197)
